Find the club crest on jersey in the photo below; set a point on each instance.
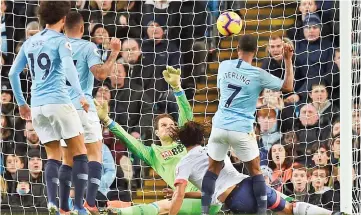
(96, 52)
(68, 46)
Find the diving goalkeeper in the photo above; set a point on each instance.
(164, 158)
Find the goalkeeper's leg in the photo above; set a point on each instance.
(189, 207)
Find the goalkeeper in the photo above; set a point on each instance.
(164, 158)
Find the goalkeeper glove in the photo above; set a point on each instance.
(173, 77)
(102, 110)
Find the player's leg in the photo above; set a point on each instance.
(93, 143)
(65, 120)
(278, 204)
(75, 156)
(217, 151)
(246, 148)
(189, 206)
(50, 138)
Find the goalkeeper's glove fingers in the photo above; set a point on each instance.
(172, 77)
(102, 110)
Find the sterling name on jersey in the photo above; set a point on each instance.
(194, 165)
(240, 85)
(85, 55)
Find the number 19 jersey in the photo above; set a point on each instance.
(43, 53)
(240, 85)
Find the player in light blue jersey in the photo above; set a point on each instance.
(49, 58)
(240, 85)
(89, 65)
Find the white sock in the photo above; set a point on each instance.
(303, 208)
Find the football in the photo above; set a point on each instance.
(229, 23)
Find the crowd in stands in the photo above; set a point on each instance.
(298, 133)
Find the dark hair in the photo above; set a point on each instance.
(159, 117)
(325, 168)
(73, 19)
(315, 84)
(191, 134)
(247, 43)
(288, 157)
(51, 12)
(320, 145)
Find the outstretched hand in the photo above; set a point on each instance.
(102, 110)
(173, 77)
(287, 51)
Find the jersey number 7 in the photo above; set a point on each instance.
(236, 89)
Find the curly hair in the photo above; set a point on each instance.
(51, 12)
(191, 134)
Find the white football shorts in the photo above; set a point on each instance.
(244, 144)
(91, 125)
(54, 122)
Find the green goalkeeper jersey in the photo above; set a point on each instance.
(163, 159)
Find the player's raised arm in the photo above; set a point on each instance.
(16, 69)
(289, 75)
(100, 71)
(173, 77)
(134, 145)
(71, 72)
(272, 82)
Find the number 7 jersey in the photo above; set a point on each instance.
(240, 85)
(43, 53)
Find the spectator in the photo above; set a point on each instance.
(100, 36)
(3, 192)
(163, 53)
(321, 155)
(335, 147)
(7, 103)
(285, 115)
(308, 7)
(141, 72)
(35, 166)
(32, 28)
(281, 165)
(298, 189)
(325, 108)
(274, 63)
(32, 139)
(320, 194)
(7, 136)
(130, 17)
(7, 28)
(25, 196)
(130, 106)
(336, 128)
(313, 58)
(270, 133)
(309, 131)
(12, 164)
(333, 79)
(105, 13)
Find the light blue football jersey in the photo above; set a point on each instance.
(85, 55)
(43, 53)
(240, 85)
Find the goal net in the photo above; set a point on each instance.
(298, 132)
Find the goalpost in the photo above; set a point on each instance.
(346, 31)
(262, 19)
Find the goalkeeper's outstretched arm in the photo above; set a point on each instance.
(173, 77)
(134, 145)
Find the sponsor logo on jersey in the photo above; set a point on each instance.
(166, 155)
